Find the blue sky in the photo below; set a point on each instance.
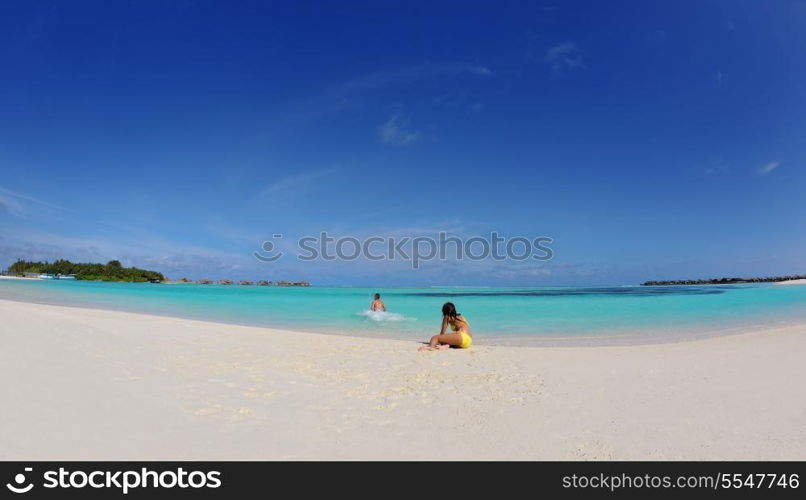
(649, 139)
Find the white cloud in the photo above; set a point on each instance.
(718, 166)
(350, 94)
(11, 205)
(146, 250)
(479, 70)
(408, 74)
(296, 183)
(394, 131)
(17, 204)
(451, 99)
(564, 56)
(769, 167)
(458, 100)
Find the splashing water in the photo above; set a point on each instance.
(384, 316)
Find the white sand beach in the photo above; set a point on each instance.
(792, 282)
(81, 384)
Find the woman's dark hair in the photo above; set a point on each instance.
(377, 296)
(448, 309)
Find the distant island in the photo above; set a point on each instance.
(724, 281)
(114, 271)
(111, 271)
(208, 281)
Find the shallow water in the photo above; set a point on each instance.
(497, 315)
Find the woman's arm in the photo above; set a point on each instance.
(444, 326)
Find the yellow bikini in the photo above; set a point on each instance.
(467, 340)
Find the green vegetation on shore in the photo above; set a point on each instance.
(111, 271)
(725, 281)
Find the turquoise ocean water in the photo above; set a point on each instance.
(497, 315)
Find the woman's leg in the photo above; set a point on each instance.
(449, 339)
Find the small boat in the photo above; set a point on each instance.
(45, 276)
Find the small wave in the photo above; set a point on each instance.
(383, 316)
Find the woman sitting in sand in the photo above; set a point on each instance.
(460, 338)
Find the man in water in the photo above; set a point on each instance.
(377, 304)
